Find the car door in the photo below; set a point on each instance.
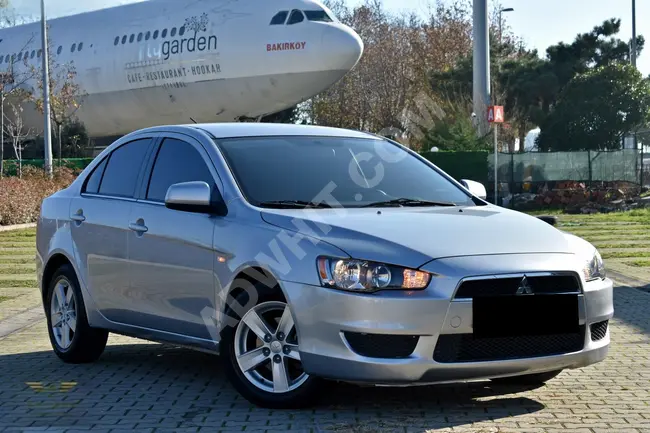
(100, 225)
(170, 251)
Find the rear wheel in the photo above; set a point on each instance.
(262, 359)
(528, 379)
(72, 339)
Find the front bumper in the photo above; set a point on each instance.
(324, 317)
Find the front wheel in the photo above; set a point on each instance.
(261, 356)
(528, 379)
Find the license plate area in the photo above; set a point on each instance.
(513, 316)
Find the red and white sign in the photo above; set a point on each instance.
(495, 114)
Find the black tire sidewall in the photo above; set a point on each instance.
(78, 351)
(300, 397)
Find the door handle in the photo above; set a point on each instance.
(138, 226)
(78, 216)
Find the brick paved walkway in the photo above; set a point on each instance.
(150, 387)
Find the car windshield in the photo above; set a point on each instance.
(297, 171)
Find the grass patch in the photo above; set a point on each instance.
(27, 233)
(621, 245)
(17, 270)
(17, 245)
(614, 227)
(17, 252)
(624, 254)
(639, 263)
(618, 237)
(5, 298)
(12, 284)
(17, 260)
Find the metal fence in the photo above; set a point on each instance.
(589, 166)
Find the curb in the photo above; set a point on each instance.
(17, 227)
(626, 281)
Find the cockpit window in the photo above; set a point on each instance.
(318, 16)
(295, 17)
(279, 18)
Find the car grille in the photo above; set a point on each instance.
(598, 330)
(468, 348)
(381, 345)
(546, 284)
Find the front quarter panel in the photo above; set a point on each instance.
(244, 241)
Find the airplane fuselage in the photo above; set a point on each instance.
(170, 61)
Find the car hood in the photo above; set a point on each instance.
(411, 236)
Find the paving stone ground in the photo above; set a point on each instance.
(140, 386)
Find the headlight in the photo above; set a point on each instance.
(594, 267)
(367, 277)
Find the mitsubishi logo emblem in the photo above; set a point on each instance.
(524, 287)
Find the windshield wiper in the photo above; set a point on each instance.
(409, 202)
(289, 204)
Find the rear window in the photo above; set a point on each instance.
(92, 184)
(124, 164)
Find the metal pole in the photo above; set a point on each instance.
(634, 33)
(500, 27)
(59, 145)
(481, 61)
(496, 159)
(636, 146)
(47, 129)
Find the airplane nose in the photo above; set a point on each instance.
(344, 46)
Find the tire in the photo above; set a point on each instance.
(528, 379)
(257, 385)
(83, 344)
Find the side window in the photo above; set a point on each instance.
(177, 161)
(279, 18)
(295, 17)
(121, 173)
(95, 178)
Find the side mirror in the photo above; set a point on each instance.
(476, 188)
(195, 197)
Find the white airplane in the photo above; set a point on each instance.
(173, 61)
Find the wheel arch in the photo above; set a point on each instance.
(54, 262)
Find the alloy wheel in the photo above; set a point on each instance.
(63, 313)
(266, 348)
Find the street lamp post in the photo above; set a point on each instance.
(46, 95)
(501, 11)
(634, 33)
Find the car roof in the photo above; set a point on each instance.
(249, 129)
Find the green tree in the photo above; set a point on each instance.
(597, 109)
(75, 142)
(454, 130)
(529, 86)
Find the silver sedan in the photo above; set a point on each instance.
(305, 253)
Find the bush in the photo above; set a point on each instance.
(20, 199)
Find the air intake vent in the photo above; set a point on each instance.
(468, 348)
(382, 345)
(598, 330)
